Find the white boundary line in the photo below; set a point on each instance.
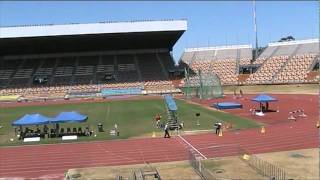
(192, 146)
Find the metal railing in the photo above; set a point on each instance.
(262, 167)
(265, 168)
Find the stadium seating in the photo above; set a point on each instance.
(267, 71)
(86, 73)
(286, 62)
(225, 69)
(223, 61)
(296, 70)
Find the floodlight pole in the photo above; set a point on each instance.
(255, 29)
(255, 26)
(318, 108)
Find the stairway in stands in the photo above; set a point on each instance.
(312, 76)
(242, 78)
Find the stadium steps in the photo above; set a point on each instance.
(176, 82)
(34, 71)
(312, 75)
(243, 77)
(271, 55)
(74, 71)
(95, 72)
(162, 66)
(116, 68)
(284, 64)
(138, 68)
(315, 61)
(5, 76)
(54, 70)
(238, 61)
(16, 70)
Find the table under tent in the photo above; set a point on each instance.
(38, 120)
(264, 101)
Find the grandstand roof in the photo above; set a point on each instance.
(89, 37)
(246, 46)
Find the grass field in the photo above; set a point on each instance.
(133, 117)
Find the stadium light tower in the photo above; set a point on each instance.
(255, 29)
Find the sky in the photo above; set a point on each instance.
(210, 23)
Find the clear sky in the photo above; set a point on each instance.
(210, 23)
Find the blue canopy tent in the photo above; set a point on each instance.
(72, 116)
(263, 98)
(31, 119)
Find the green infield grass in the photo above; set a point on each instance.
(133, 117)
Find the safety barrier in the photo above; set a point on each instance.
(121, 91)
(293, 115)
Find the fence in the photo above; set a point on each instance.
(264, 168)
(199, 167)
(202, 85)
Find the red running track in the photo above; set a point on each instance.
(286, 104)
(51, 161)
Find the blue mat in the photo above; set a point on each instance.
(227, 105)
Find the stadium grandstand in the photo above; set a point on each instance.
(59, 60)
(278, 63)
(115, 102)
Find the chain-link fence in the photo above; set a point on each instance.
(262, 167)
(202, 85)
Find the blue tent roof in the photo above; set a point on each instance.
(264, 98)
(72, 116)
(170, 102)
(32, 119)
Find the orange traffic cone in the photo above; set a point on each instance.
(263, 130)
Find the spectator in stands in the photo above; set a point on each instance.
(166, 131)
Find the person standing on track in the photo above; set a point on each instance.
(166, 131)
(218, 127)
(158, 118)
